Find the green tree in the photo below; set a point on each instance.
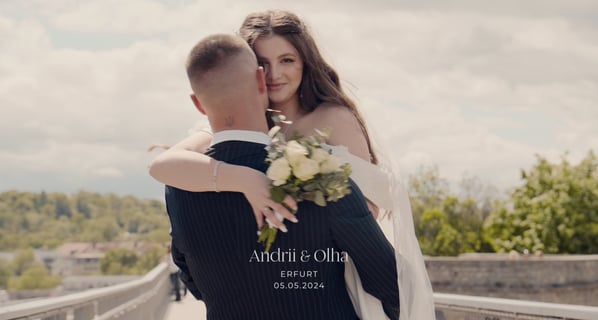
(41, 200)
(34, 277)
(481, 196)
(5, 273)
(22, 260)
(62, 206)
(83, 207)
(446, 223)
(119, 261)
(159, 235)
(109, 230)
(150, 259)
(47, 220)
(439, 237)
(426, 190)
(24, 203)
(555, 210)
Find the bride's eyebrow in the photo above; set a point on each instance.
(286, 55)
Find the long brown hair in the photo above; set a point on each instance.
(320, 82)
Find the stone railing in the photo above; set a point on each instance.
(460, 307)
(148, 298)
(566, 279)
(145, 298)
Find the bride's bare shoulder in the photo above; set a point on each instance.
(344, 127)
(333, 116)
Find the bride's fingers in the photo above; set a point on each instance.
(259, 217)
(264, 206)
(290, 202)
(284, 212)
(373, 208)
(273, 219)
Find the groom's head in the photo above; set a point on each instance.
(226, 81)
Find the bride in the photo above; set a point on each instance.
(306, 90)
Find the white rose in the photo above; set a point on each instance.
(319, 155)
(295, 152)
(306, 169)
(331, 164)
(279, 171)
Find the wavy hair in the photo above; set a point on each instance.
(320, 82)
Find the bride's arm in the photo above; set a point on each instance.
(184, 166)
(346, 131)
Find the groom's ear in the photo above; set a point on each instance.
(261, 80)
(197, 104)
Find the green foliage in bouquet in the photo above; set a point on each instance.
(305, 169)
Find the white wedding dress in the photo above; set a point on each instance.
(415, 292)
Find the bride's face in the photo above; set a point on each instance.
(283, 67)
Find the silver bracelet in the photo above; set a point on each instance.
(215, 175)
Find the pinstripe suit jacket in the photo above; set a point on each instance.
(214, 244)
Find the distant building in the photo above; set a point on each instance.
(47, 257)
(83, 258)
(5, 255)
(79, 258)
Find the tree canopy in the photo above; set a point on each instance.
(446, 223)
(126, 261)
(555, 210)
(47, 220)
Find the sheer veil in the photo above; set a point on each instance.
(416, 295)
(417, 301)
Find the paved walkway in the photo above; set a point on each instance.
(186, 309)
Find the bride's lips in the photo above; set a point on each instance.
(275, 86)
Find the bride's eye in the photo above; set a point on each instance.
(287, 60)
(264, 65)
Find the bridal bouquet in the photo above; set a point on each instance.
(306, 169)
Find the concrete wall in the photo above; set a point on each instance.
(550, 278)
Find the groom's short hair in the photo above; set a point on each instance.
(211, 54)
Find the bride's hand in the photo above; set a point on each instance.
(373, 208)
(255, 185)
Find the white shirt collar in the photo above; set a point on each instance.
(241, 135)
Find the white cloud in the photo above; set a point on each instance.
(139, 17)
(473, 88)
(107, 172)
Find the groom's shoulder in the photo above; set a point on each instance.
(172, 192)
(234, 144)
(352, 204)
(179, 199)
(228, 150)
(356, 195)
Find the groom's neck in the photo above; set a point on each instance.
(238, 121)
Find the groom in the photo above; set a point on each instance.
(213, 233)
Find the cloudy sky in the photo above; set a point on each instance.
(474, 87)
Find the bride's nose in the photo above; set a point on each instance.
(273, 72)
